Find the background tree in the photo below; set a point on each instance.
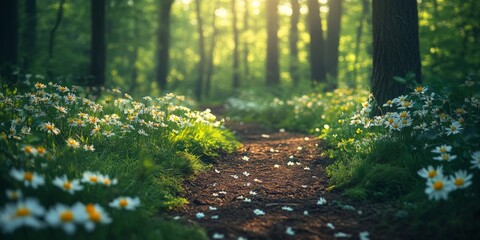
(163, 43)
(8, 39)
(236, 60)
(395, 46)
(317, 45)
(201, 52)
(293, 42)
(246, 25)
(358, 38)
(98, 43)
(273, 68)
(30, 33)
(333, 37)
(211, 53)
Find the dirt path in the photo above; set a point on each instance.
(282, 175)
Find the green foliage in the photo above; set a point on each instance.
(144, 149)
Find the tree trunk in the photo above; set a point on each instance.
(51, 40)
(273, 69)
(30, 33)
(211, 55)
(163, 43)
(134, 54)
(98, 44)
(395, 47)
(294, 62)
(317, 45)
(236, 62)
(358, 41)
(8, 39)
(333, 37)
(201, 53)
(246, 17)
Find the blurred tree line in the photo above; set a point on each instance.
(210, 49)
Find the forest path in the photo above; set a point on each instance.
(283, 175)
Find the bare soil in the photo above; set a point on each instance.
(284, 177)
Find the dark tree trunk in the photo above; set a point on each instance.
(273, 69)
(358, 41)
(246, 17)
(211, 55)
(333, 37)
(294, 62)
(30, 33)
(395, 46)
(98, 44)
(317, 45)
(236, 62)
(51, 40)
(201, 53)
(163, 43)
(8, 40)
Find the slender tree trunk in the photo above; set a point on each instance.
(8, 39)
(358, 41)
(395, 46)
(246, 17)
(201, 53)
(333, 38)
(211, 55)
(236, 62)
(163, 43)
(294, 62)
(273, 68)
(98, 43)
(317, 45)
(134, 54)
(30, 33)
(51, 40)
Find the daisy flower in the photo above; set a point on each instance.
(23, 213)
(107, 181)
(454, 128)
(41, 151)
(87, 148)
(200, 215)
(321, 201)
(290, 231)
(14, 194)
(476, 160)
(461, 179)
(91, 177)
(67, 185)
(29, 150)
(430, 172)
(28, 178)
(445, 157)
(126, 203)
(438, 188)
(50, 128)
(442, 149)
(258, 212)
(96, 215)
(72, 143)
(67, 217)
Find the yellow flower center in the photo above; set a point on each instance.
(41, 150)
(432, 174)
(28, 176)
(90, 208)
(66, 216)
(49, 127)
(123, 202)
(390, 120)
(22, 212)
(403, 114)
(67, 185)
(389, 102)
(93, 179)
(94, 216)
(419, 89)
(406, 104)
(459, 182)
(438, 185)
(443, 149)
(106, 181)
(453, 128)
(28, 149)
(445, 157)
(459, 110)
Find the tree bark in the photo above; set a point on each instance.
(333, 37)
(30, 33)
(395, 47)
(201, 53)
(8, 39)
(51, 40)
(163, 43)
(273, 69)
(293, 42)
(236, 62)
(317, 45)
(98, 44)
